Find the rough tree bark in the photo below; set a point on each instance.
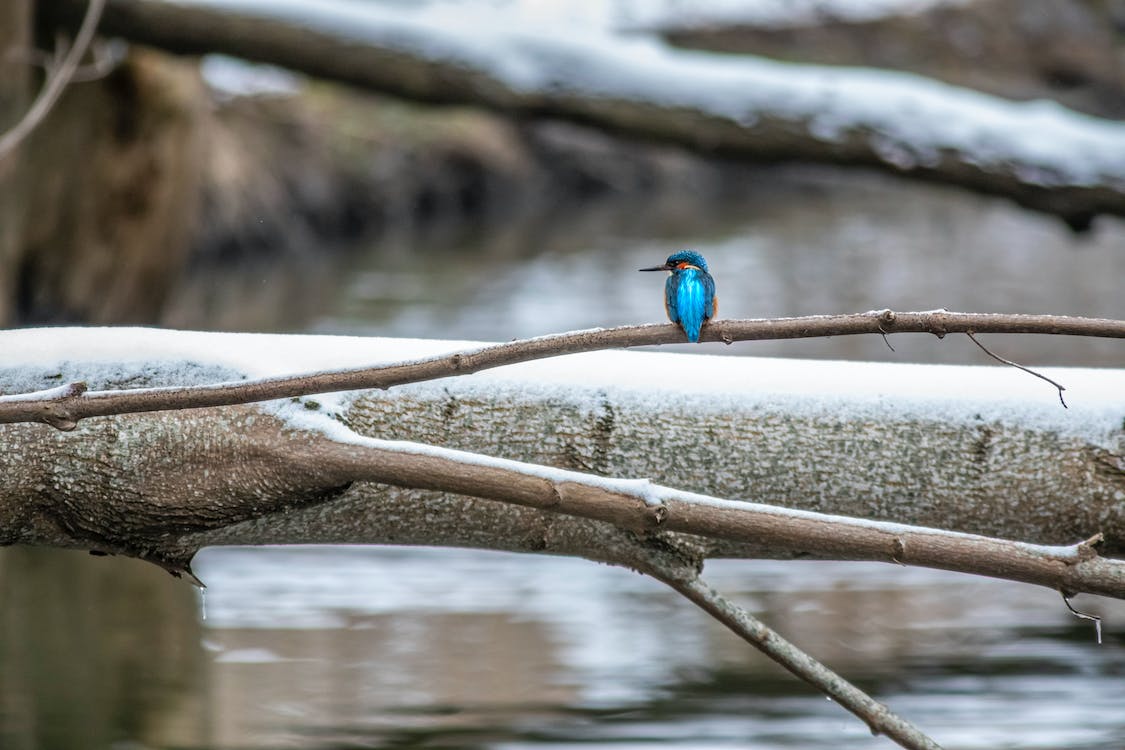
(545, 77)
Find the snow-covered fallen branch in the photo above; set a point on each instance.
(644, 508)
(981, 450)
(1037, 153)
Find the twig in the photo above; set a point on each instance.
(66, 410)
(675, 563)
(1018, 366)
(106, 55)
(879, 718)
(889, 315)
(55, 83)
(1084, 616)
(886, 340)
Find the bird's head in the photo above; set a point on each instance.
(680, 261)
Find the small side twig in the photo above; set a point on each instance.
(888, 316)
(886, 340)
(1097, 620)
(1017, 365)
(879, 718)
(55, 83)
(105, 56)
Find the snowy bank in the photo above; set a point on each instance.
(1037, 153)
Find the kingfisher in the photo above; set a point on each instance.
(689, 292)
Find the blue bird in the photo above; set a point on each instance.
(689, 292)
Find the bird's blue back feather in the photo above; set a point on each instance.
(690, 295)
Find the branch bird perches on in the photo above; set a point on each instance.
(65, 406)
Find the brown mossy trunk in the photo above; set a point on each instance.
(15, 87)
(109, 192)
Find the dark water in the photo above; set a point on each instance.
(375, 647)
(358, 647)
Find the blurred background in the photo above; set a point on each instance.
(214, 192)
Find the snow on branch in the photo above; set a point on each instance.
(1038, 154)
(64, 408)
(646, 508)
(979, 449)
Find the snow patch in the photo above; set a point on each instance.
(232, 77)
(132, 357)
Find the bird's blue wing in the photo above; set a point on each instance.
(711, 301)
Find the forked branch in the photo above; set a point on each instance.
(647, 508)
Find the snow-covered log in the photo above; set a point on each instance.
(1037, 153)
(987, 450)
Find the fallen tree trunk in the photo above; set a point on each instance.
(1041, 156)
(986, 450)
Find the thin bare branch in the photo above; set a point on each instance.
(106, 55)
(1018, 366)
(56, 82)
(879, 718)
(886, 340)
(65, 409)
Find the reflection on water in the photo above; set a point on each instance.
(375, 647)
(480, 649)
(798, 242)
(95, 653)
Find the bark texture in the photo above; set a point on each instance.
(987, 475)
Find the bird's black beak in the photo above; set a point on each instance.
(664, 267)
